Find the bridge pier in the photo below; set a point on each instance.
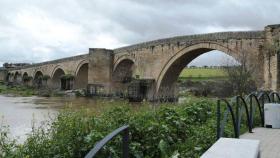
(100, 71)
(272, 58)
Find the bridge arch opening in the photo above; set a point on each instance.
(9, 77)
(38, 79)
(81, 79)
(25, 78)
(17, 78)
(122, 76)
(166, 82)
(56, 82)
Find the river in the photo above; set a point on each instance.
(19, 113)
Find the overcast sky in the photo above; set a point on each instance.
(41, 30)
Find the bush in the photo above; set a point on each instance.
(169, 130)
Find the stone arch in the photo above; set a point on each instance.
(25, 77)
(56, 81)
(123, 70)
(55, 69)
(81, 79)
(17, 77)
(25, 74)
(173, 67)
(9, 77)
(80, 65)
(121, 59)
(38, 79)
(122, 75)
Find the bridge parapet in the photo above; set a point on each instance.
(73, 58)
(190, 39)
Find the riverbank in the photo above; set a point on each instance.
(17, 90)
(160, 130)
(27, 91)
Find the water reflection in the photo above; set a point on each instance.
(21, 112)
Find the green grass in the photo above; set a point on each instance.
(202, 74)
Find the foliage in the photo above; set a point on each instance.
(241, 76)
(27, 78)
(167, 131)
(273, 47)
(67, 76)
(46, 77)
(17, 90)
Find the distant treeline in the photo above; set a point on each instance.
(208, 67)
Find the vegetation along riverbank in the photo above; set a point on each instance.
(26, 91)
(184, 130)
(17, 90)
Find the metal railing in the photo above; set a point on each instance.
(250, 103)
(240, 102)
(251, 97)
(272, 96)
(220, 128)
(125, 141)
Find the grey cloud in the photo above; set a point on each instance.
(96, 23)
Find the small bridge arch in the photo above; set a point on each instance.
(81, 75)
(122, 74)
(56, 77)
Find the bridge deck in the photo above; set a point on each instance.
(269, 141)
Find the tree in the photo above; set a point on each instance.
(241, 74)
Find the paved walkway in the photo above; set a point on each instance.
(269, 141)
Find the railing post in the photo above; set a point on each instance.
(218, 119)
(237, 118)
(101, 143)
(251, 115)
(262, 106)
(126, 143)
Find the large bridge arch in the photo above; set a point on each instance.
(173, 67)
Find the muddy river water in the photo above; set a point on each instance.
(20, 113)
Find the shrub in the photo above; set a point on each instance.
(169, 130)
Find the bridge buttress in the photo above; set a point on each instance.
(272, 58)
(100, 71)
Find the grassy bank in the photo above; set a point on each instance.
(17, 90)
(185, 130)
(202, 74)
(26, 91)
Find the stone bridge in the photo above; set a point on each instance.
(155, 64)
